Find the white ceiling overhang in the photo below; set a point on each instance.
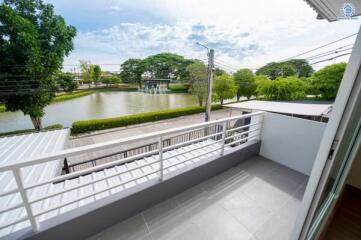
(334, 10)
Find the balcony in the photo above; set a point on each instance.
(257, 199)
(218, 185)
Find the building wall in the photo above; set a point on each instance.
(292, 142)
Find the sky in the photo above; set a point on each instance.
(242, 33)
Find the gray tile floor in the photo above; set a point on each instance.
(257, 200)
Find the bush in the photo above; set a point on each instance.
(2, 108)
(99, 124)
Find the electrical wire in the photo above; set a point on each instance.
(330, 59)
(322, 46)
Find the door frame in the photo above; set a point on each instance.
(340, 116)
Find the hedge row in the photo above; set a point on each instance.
(99, 124)
(71, 95)
(2, 108)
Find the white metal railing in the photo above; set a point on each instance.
(229, 135)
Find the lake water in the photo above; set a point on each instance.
(97, 105)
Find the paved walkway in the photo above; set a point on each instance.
(134, 130)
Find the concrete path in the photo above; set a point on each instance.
(134, 130)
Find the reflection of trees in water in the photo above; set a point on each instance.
(96, 104)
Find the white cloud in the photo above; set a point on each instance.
(243, 33)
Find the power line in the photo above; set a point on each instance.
(322, 46)
(329, 59)
(327, 54)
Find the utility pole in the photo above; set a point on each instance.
(210, 55)
(209, 85)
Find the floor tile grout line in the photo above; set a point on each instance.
(231, 215)
(146, 225)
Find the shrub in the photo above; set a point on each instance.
(2, 108)
(99, 124)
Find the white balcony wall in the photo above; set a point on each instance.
(292, 142)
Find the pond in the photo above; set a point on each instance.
(98, 105)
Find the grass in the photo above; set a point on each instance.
(23, 131)
(120, 87)
(178, 87)
(71, 95)
(106, 123)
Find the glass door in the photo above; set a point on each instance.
(339, 170)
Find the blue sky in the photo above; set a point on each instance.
(243, 33)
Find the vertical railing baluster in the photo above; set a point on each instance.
(160, 152)
(66, 166)
(24, 197)
(223, 142)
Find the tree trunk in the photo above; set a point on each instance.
(140, 84)
(221, 100)
(238, 97)
(37, 123)
(200, 101)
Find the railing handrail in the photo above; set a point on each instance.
(109, 144)
(214, 143)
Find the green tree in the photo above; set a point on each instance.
(265, 87)
(327, 80)
(297, 67)
(96, 74)
(224, 87)
(66, 81)
(131, 71)
(110, 79)
(86, 69)
(198, 81)
(219, 72)
(303, 68)
(33, 43)
(167, 66)
(283, 88)
(274, 70)
(246, 84)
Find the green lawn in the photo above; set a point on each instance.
(71, 95)
(23, 131)
(178, 87)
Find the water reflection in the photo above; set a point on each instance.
(98, 105)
